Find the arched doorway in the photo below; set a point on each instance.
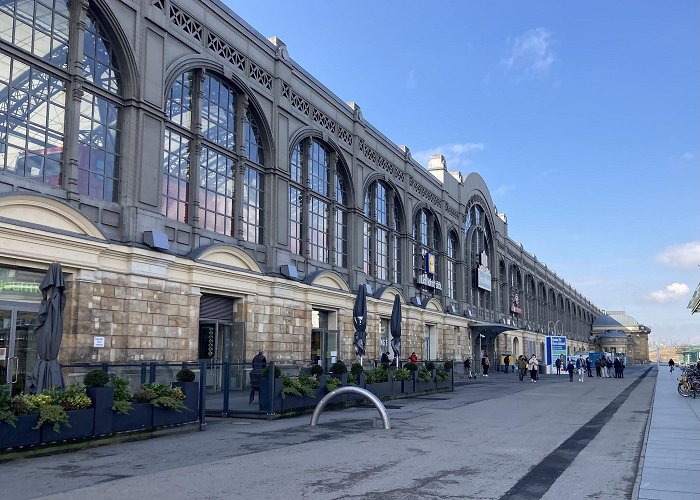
(516, 348)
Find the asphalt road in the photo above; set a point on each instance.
(494, 438)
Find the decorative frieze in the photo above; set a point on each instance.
(425, 193)
(223, 49)
(185, 22)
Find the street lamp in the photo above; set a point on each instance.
(555, 326)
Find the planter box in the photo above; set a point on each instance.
(297, 402)
(382, 389)
(445, 384)
(191, 391)
(424, 386)
(265, 396)
(23, 434)
(397, 387)
(140, 417)
(102, 400)
(82, 424)
(166, 416)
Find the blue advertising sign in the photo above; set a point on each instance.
(556, 347)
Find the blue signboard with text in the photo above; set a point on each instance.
(556, 347)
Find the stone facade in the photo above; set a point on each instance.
(138, 267)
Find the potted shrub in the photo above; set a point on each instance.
(316, 370)
(168, 403)
(424, 380)
(17, 423)
(127, 415)
(190, 388)
(358, 372)
(340, 371)
(398, 377)
(102, 396)
(332, 384)
(66, 414)
(442, 378)
(377, 381)
(299, 392)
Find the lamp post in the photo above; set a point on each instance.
(481, 351)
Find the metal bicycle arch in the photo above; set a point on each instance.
(352, 390)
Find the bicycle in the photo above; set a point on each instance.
(689, 383)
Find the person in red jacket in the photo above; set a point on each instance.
(413, 358)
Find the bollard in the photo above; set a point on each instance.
(352, 390)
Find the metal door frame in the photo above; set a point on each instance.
(11, 356)
(323, 333)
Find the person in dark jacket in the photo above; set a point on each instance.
(570, 368)
(259, 362)
(385, 358)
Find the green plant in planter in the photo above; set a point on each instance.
(378, 375)
(47, 405)
(400, 374)
(72, 397)
(122, 395)
(333, 383)
(356, 369)
(424, 375)
(441, 374)
(316, 370)
(6, 413)
(52, 414)
(185, 375)
(430, 366)
(339, 368)
(351, 379)
(96, 378)
(161, 395)
(266, 372)
(303, 385)
(448, 365)
(411, 366)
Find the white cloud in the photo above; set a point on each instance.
(680, 256)
(674, 291)
(458, 156)
(530, 55)
(687, 156)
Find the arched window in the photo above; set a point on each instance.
(479, 258)
(381, 233)
(205, 112)
(426, 245)
(34, 101)
(314, 168)
(451, 288)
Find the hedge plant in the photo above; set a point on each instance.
(96, 378)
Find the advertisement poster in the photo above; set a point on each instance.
(556, 348)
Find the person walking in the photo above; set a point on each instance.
(671, 364)
(259, 362)
(588, 366)
(533, 365)
(616, 365)
(580, 366)
(522, 367)
(608, 366)
(597, 368)
(570, 369)
(468, 367)
(485, 363)
(506, 362)
(604, 367)
(558, 365)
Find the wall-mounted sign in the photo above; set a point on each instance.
(516, 304)
(484, 280)
(425, 280)
(430, 263)
(3, 353)
(484, 273)
(98, 341)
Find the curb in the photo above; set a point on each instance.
(640, 463)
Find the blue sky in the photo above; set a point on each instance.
(582, 117)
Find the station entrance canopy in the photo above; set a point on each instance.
(490, 330)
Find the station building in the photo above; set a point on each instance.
(207, 197)
(618, 333)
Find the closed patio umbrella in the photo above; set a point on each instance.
(359, 319)
(49, 331)
(395, 328)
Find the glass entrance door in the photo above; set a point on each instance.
(18, 351)
(223, 342)
(324, 347)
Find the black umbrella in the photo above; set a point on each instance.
(49, 331)
(359, 319)
(395, 327)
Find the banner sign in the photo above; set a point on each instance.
(556, 347)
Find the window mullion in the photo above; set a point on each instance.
(242, 102)
(195, 150)
(74, 94)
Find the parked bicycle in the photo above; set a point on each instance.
(689, 382)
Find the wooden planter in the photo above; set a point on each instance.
(81, 426)
(102, 400)
(140, 417)
(22, 434)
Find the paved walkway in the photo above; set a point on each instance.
(671, 458)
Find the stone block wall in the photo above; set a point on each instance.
(141, 319)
